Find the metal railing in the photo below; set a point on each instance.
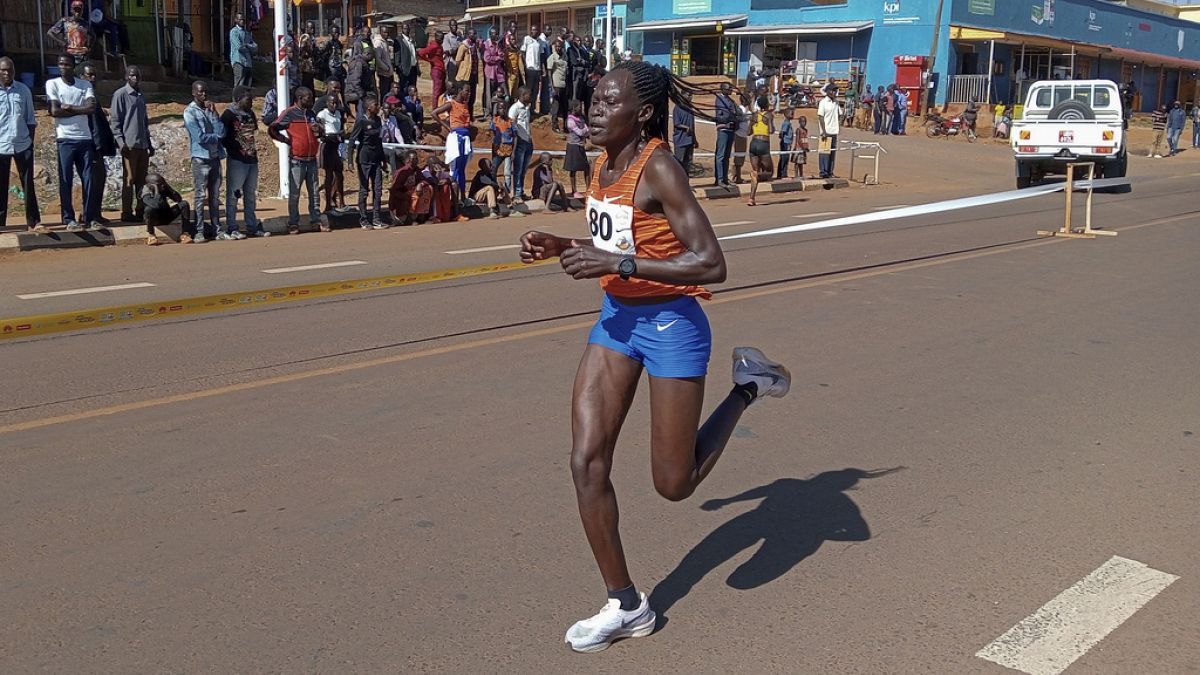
(965, 87)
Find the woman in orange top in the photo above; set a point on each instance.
(458, 141)
(652, 248)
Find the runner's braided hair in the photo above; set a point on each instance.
(658, 86)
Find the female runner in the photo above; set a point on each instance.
(652, 247)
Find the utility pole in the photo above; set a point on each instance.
(933, 50)
(281, 88)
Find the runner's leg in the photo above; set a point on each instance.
(604, 387)
(680, 456)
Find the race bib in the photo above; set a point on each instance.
(611, 226)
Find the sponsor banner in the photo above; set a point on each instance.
(126, 314)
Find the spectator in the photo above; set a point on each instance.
(577, 68)
(877, 109)
(131, 131)
(356, 74)
(740, 138)
(531, 51)
(512, 59)
(156, 198)
(241, 170)
(306, 55)
(800, 153)
(786, 137)
(458, 140)
(1158, 120)
(868, 107)
(205, 130)
(493, 70)
(270, 106)
(397, 128)
(241, 52)
(503, 139)
(1176, 120)
(725, 115)
(435, 55)
(385, 57)
(392, 97)
(450, 43)
(362, 51)
(889, 109)
(545, 88)
(1196, 125)
(523, 146)
(74, 34)
(406, 60)
(71, 103)
(402, 193)
(901, 116)
(762, 126)
(829, 124)
(330, 64)
(333, 120)
(292, 70)
(442, 197)
(467, 69)
(556, 70)
(302, 131)
(332, 88)
(367, 135)
(412, 103)
(684, 136)
(17, 127)
(106, 146)
(544, 185)
(485, 189)
(576, 160)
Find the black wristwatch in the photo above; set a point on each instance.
(627, 267)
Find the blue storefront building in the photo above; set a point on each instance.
(985, 49)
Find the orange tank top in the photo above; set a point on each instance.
(460, 115)
(617, 225)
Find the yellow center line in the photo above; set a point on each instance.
(81, 415)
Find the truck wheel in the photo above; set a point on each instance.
(1023, 182)
(1071, 110)
(1122, 165)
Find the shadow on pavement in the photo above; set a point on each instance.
(793, 519)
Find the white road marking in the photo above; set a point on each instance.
(818, 214)
(926, 209)
(81, 291)
(734, 222)
(1062, 630)
(483, 249)
(321, 266)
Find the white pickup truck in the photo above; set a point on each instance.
(1070, 121)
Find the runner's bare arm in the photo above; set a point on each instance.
(664, 189)
(543, 246)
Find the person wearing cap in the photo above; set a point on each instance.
(74, 33)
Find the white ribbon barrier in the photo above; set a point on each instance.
(935, 207)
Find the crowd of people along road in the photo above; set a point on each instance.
(370, 109)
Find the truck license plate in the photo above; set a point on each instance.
(1066, 137)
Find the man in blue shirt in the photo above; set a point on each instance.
(726, 115)
(205, 131)
(17, 125)
(1175, 121)
(684, 138)
(241, 49)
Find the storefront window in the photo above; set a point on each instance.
(582, 21)
(681, 59)
(778, 50)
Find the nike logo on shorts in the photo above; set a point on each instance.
(662, 327)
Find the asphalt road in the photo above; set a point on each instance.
(379, 482)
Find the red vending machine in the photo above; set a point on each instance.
(910, 76)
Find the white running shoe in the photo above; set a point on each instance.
(612, 623)
(751, 365)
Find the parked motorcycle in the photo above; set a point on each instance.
(800, 96)
(936, 125)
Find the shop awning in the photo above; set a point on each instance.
(804, 29)
(690, 22)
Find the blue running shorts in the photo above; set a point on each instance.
(671, 339)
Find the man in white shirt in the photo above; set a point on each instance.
(71, 102)
(523, 146)
(531, 50)
(829, 116)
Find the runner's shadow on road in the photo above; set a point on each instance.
(793, 519)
